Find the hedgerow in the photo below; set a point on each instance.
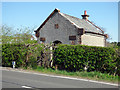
(24, 54)
(79, 57)
(66, 57)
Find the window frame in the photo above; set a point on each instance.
(56, 26)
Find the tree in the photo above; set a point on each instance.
(19, 35)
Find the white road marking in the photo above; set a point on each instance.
(25, 87)
(64, 77)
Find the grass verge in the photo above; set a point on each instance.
(85, 75)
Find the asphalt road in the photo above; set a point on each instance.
(15, 79)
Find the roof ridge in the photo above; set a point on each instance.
(55, 10)
(77, 22)
(71, 16)
(86, 20)
(69, 19)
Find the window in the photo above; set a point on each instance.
(42, 39)
(56, 26)
(72, 37)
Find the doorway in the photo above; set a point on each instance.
(57, 42)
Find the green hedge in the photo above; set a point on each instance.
(77, 57)
(24, 54)
(66, 57)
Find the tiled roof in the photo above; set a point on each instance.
(81, 23)
(88, 26)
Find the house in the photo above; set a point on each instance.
(66, 29)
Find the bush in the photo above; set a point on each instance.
(21, 53)
(33, 62)
(77, 57)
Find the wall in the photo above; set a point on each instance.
(93, 40)
(65, 30)
(62, 34)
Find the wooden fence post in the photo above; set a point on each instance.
(51, 56)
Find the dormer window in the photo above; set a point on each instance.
(56, 26)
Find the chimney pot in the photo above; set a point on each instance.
(85, 16)
(85, 12)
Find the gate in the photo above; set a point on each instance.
(46, 57)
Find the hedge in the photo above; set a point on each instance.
(66, 57)
(77, 57)
(24, 54)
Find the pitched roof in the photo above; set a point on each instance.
(56, 10)
(79, 23)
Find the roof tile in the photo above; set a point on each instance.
(81, 23)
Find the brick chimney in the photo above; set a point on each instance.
(85, 16)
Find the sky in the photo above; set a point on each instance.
(33, 14)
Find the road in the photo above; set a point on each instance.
(16, 79)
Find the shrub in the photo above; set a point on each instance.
(21, 53)
(77, 57)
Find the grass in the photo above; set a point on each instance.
(86, 75)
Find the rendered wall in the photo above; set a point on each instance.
(62, 34)
(65, 30)
(93, 40)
